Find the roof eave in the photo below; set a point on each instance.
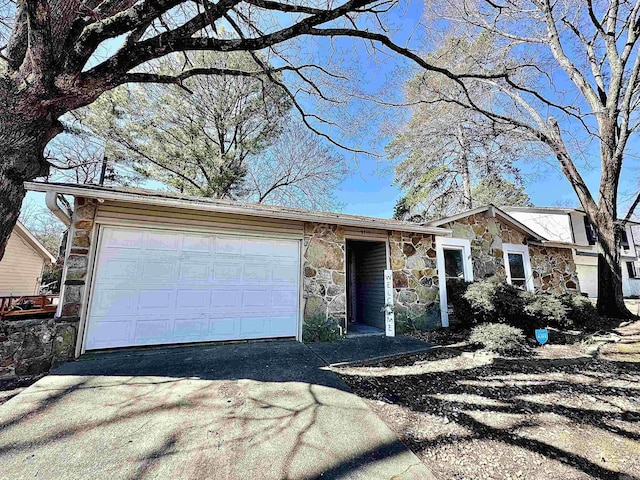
(309, 216)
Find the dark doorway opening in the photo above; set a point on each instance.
(366, 262)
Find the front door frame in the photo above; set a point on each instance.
(442, 243)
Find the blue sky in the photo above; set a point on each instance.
(369, 189)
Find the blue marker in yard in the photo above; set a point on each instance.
(542, 335)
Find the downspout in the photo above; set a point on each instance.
(51, 200)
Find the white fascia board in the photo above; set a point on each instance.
(302, 216)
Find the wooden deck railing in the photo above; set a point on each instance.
(20, 306)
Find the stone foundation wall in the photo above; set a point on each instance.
(324, 272)
(415, 276)
(553, 268)
(30, 347)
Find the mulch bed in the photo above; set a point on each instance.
(468, 414)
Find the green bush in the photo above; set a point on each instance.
(545, 310)
(318, 328)
(407, 322)
(498, 337)
(404, 323)
(581, 311)
(493, 301)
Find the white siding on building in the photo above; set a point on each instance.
(550, 225)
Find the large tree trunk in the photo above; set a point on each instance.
(24, 133)
(610, 298)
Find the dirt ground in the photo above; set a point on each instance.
(566, 412)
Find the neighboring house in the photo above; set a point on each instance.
(571, 225)
(145, 267)
(21, 267)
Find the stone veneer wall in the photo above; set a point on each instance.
(324, 272)
(29, 347)
(412, 258)
(415, 276)
(77, 264)
(553, 268)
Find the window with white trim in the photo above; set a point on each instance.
(453, 262)
(517, 266)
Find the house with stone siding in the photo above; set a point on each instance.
(144, 267)
(488, 242)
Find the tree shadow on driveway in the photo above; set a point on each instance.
(276, 414)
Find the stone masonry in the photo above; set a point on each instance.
(415, 276)
(553, 268)
(77, 263)
(324, 272)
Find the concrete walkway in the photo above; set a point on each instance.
(245, 411)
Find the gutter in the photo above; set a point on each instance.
(51, 200)
(302, 216)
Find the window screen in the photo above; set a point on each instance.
(516, 269)
(453, 264)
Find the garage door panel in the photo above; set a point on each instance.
(228, 272)
(113, 301)
(192, 299)
(197, 244)
(283, 298)
(163, 241)
(125, 268)
(155, 299)
(256, 273)
(187, 329)
(153, 330)
(287, 274)
(157, 287)
(254, 247)
(157, 269)
(123, 238)
(279, 325)
(228, 245)
(194, 271)
(225, 298)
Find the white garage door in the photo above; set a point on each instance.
(160, 287)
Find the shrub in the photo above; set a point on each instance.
(498, 337)
(581, 311)
(493, 301)
(407, 322)
(404, 322)
(545, 310)
(318, 328)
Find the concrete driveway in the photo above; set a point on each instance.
(245, 411)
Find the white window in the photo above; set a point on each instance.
(454, 262)
(518, 266)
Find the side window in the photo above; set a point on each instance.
(624, 239)
(591, 233)
(517, 266)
